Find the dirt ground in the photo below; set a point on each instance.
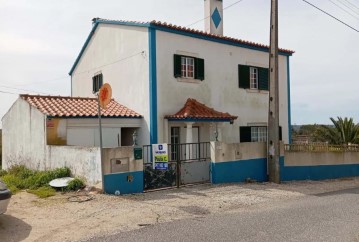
(59, 218)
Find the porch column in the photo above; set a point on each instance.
(189, 139)
(165, 131)
(219, 131)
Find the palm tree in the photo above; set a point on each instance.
(345, 131)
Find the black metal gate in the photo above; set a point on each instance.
(188, 164)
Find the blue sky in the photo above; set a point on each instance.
(40, 40)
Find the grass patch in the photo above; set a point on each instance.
(75, 184)
(43, 192)
(37, 182)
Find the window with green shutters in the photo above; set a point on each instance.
(255, 134)
(188, 67)
(251, 77)
(97, 82)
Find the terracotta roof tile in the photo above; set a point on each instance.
(196, 110)
(58, 106)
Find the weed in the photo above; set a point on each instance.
(75, 184)
(43, 192)
(3, 172)
(19, 177)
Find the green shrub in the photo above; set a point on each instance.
(21, 171)
(75, 184)
(43, 192)
(11, 180)
(3, 172)
(19, 177)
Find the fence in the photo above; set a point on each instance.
(321, 148)
(181, 152)
(184, 161)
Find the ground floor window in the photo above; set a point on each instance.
(259, 134)
(255, 133)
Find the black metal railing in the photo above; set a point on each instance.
(177, 153)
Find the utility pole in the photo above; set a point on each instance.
(101, 145)
(273, 148)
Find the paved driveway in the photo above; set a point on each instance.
(329, 216)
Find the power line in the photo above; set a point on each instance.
(116, 61)
(331, 15)
(9, 92)
(352, 4)
(348, 6)
(119, 60)
(26, 90)
(51, 80)
(231, 5)
(344, 9)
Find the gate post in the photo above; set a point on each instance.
(178, 168)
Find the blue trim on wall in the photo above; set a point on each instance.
(118, 182)
(292, 173)
(289, 104)
(153, 85)
(238, 171)
(320, 172)
(89, 37)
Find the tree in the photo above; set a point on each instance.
(345, 131)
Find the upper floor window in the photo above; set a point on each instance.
(251, 77)
(188, 67)
(97, 82)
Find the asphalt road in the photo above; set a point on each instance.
(322, 217)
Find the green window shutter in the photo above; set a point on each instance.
(97, 82)
(94, 84)
(263, 79)
(243, 76)
(199, 69)
(244, 134)
(100, 82)
(177, 65)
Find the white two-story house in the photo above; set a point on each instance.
(189, 85)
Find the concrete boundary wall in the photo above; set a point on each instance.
(83, 161)
(319, 165)
(128, 177)
(237, 162)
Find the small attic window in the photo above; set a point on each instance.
(97, 82)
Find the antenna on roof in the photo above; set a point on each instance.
(94, 20)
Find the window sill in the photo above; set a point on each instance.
(188, 80)
(256, 91)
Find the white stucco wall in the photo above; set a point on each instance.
(23, 135)
(220, 88)
(116, 51)
(85, 132)
(82, 161)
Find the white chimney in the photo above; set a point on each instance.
(213, 12)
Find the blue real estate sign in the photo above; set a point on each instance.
(160, 156)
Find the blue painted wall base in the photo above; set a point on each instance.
(321, 172)
(119, 182)
(238, 171)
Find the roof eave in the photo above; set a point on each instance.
(98, 21)
(195, 119)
